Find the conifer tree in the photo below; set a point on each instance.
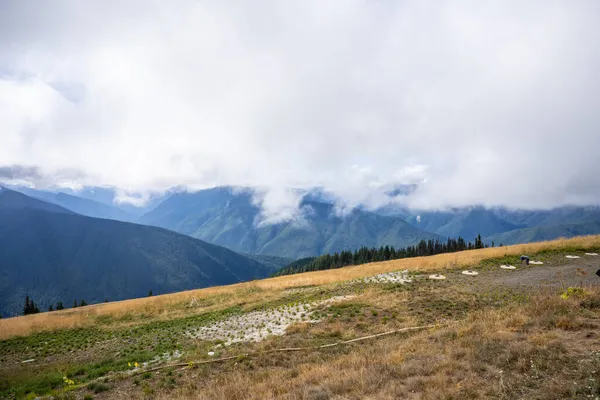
(27, 306)
(30, 307)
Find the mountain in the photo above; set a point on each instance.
(546, 232)
(12, 201)
(274, 263)
(53, 254)
(228, 217)
(80, 205)
(107, 196)
(555, 216)
(467, 222)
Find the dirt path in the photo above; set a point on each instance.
(553, 274)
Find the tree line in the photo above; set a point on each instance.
(31, 308)
(384, 253)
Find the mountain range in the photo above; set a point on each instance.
(53, 254)
(59, 246)
(229, 217)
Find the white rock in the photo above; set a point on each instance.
(437, 277)
(591, 254)
(257, 325)
(470, 273)
(211, 353)
(572, 257)
(536, 262)
(389, 277)
(507, 267)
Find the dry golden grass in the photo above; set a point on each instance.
(521, 351)
(171, 305)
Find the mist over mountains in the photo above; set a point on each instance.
(320, 222)
(60, 246)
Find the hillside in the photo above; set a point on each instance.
(55, 255)
(466, 222)
(80, 205)
(508, 226)
(12, 201)
(380, 330)
(229, 218)
(272, 262)
(556, 216)
(542, 233)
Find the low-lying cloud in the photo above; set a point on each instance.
(475, 102)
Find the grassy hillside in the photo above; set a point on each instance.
(501, 334)
(54, 255)
(229, 218)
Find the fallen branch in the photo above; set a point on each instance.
(324, 346)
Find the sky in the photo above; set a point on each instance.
(476, 102)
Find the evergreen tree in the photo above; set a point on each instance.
(27, 306)
(75, 304)
(51, 308)
(59, 306)
(150, 293)
(30, 307)
(83, 303)
(366, 255)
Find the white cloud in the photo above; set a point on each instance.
(479, 102)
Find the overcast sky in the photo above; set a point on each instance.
(479, 102)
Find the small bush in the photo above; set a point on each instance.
(575, 292)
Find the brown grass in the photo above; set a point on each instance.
(170, 305)
(519, 351)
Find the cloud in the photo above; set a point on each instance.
(476, 102)
(279, 205)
